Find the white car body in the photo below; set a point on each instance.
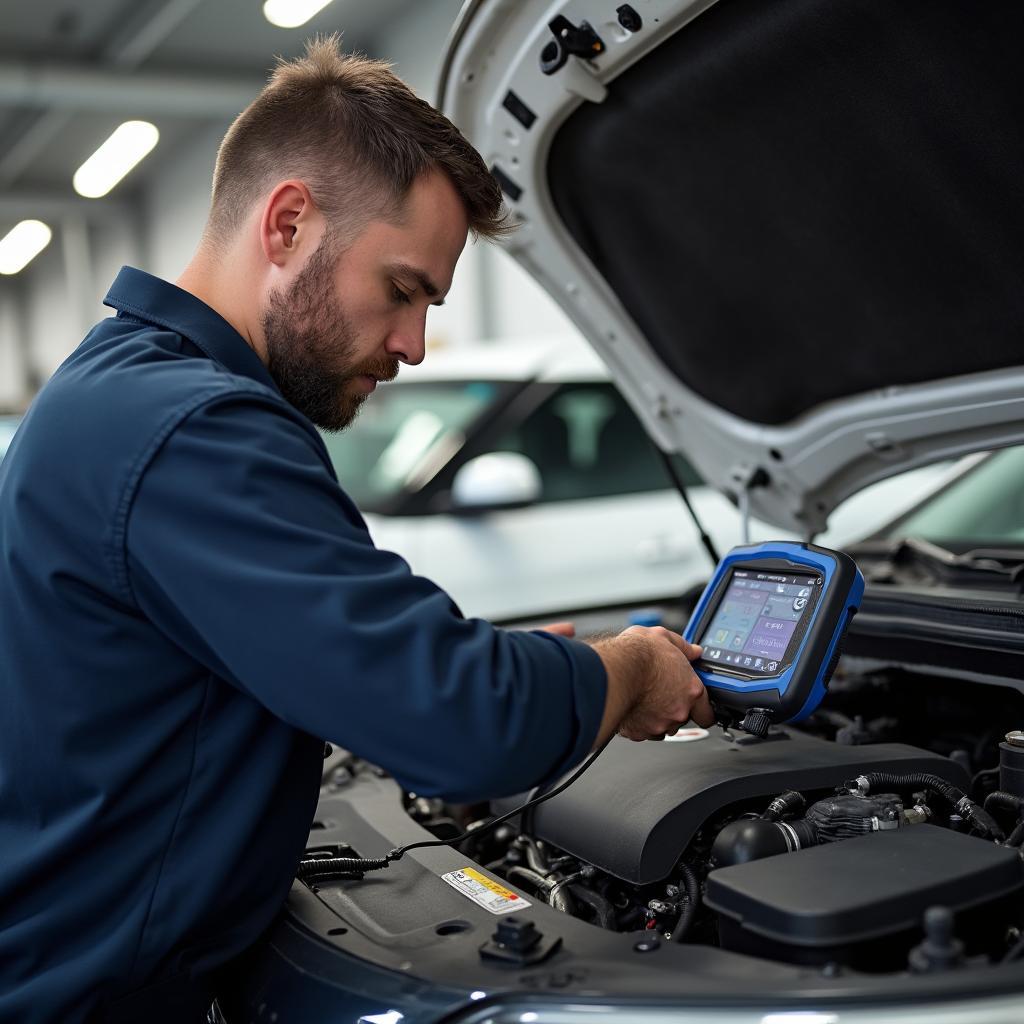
(561, 557)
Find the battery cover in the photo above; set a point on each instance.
(864, 888)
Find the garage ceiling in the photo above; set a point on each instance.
(72, 70)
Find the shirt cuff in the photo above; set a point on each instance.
(590, 689)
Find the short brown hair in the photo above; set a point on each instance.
(358, 137)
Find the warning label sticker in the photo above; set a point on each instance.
(687, 735)
(485, 891)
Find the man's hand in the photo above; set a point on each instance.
(652, 687)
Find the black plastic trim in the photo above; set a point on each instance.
(519, 110)
(508, 186)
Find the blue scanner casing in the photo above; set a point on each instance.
(796, 687)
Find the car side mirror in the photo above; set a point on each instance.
(495, 481)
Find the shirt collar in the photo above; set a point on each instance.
(159, 302)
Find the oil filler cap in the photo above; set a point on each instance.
(517, 941)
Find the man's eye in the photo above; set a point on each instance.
(398, 295)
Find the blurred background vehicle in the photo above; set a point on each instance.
(518, 477)
(981, 506)
(8, 425)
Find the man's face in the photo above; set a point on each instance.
(347, 322)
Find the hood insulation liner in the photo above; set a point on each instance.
(812, 184)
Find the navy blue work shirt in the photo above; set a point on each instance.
(189, 605)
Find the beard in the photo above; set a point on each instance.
(311, 344)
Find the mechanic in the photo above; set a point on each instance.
(190, 602)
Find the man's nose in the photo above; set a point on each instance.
(408, 343)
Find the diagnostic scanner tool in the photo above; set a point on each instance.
(771, 622)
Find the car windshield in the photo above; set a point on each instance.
(8, 425)
(404, 434)
(984, 506)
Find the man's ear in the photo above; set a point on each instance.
(290, 223)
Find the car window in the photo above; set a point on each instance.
(985, 505)
(8, 425)
(404, 432)
(587, 443)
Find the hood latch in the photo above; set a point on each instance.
(570, 41)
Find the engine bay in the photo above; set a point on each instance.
(881, 836)
(869, 854)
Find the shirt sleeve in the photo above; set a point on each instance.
(244, 551)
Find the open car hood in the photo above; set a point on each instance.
(794, 231)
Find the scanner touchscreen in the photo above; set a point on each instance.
(757, 619)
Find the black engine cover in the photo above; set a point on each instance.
(633, 812)
(836, 902)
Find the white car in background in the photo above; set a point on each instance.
(8, 425)
(517, 477)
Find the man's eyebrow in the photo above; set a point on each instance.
(429, 288)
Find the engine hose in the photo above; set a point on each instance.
(959, 801)
(534, 878)
(602, 907)
(561, 900)
(1017, 835)
(559, 895)
(534, 857)
(1003, 801)
(552, 889)
(790, 802)
(689, 910)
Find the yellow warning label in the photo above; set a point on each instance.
(485, 891)
(490, 883)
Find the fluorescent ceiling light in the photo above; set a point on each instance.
(22, 244)
(115, 158)
(292, 13)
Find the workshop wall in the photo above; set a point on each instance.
(176, 204)
(11, 374)
(47, 308)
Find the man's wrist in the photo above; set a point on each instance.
(628, 661)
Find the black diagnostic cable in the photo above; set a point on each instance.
(320, 868)
(673, 472)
